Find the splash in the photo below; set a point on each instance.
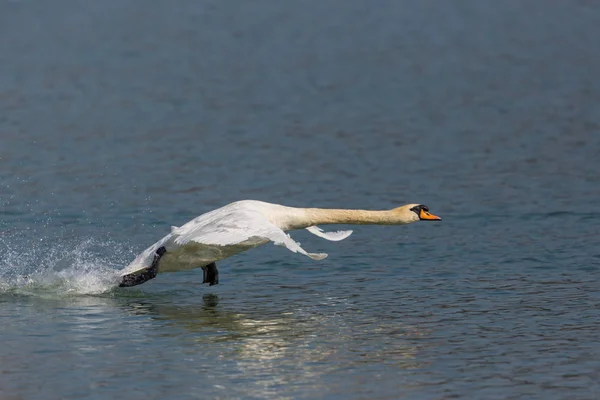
(66, 268)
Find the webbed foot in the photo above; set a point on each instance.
(139, 277)
(210, 274)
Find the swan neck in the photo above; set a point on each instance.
(321, 216)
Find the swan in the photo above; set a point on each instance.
(245, 224)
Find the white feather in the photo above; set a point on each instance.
(333, 236)
(219, 234)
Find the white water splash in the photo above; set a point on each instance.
(88, 267)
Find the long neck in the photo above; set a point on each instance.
(322, 216)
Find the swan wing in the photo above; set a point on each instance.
(283, 239)
(240, 227)
(333, 236)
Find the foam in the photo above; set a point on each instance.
(55, 268)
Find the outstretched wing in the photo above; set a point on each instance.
(232, 229)
(333, 236)
(283, 239)
(237, 227)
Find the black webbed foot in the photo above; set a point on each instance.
(137, 278)
(210, 274)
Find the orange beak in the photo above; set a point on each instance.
(427, 216)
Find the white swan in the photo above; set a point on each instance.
(245, 224)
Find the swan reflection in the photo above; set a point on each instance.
(269, 344)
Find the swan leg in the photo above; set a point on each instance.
(137, 278)
(210, 274)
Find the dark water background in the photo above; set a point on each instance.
(121, 118)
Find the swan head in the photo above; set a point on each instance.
(414, 212)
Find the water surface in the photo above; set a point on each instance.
(119, 119)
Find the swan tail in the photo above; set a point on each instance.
(333, 236)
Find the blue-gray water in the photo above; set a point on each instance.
(119, 118)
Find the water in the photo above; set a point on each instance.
(121, 118)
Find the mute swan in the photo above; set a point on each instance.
(245, 224)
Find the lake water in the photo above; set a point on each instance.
(121, 118)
